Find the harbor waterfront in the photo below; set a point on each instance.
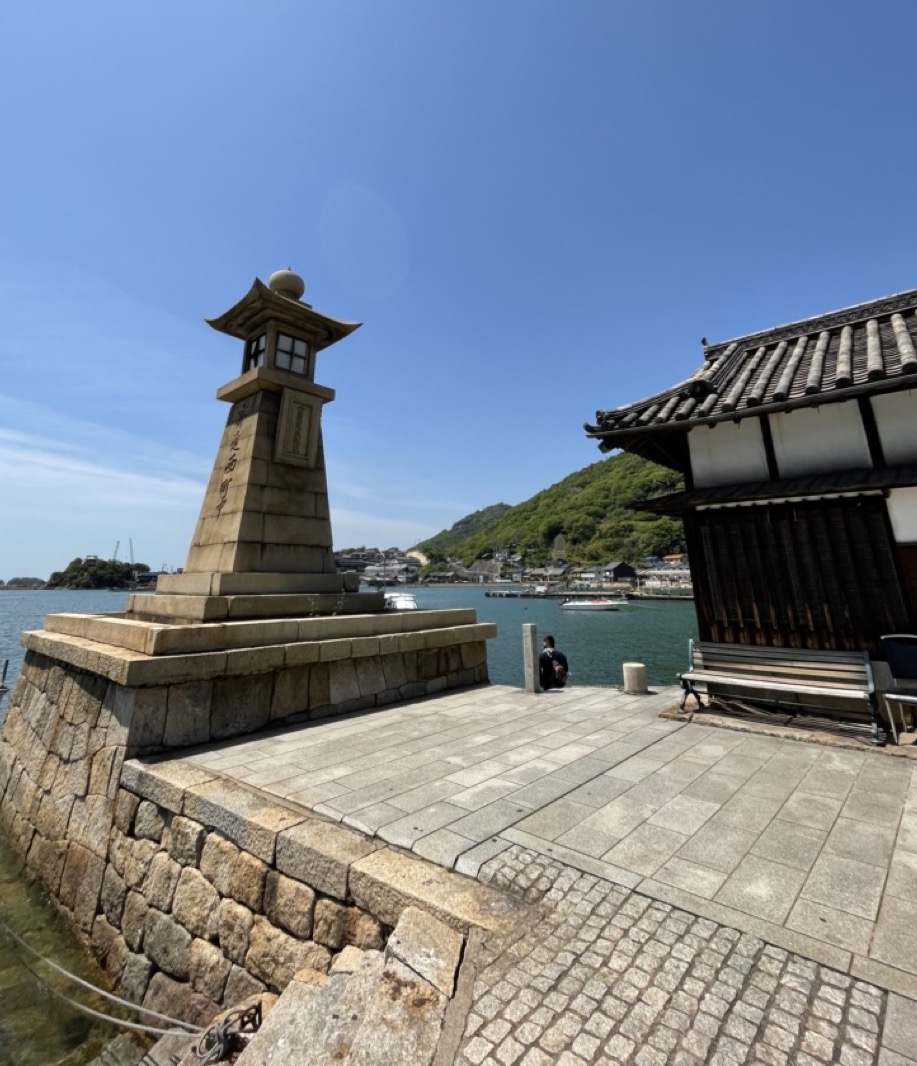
(653, 632)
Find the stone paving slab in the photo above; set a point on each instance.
(810, 847)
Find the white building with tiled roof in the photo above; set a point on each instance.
(798, 446)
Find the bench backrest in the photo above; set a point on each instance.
(829, 668)
(901, 650)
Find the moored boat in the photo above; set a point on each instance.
(594, 603)
(400, 601)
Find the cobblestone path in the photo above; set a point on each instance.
(606, 975)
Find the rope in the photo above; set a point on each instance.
(179, 1026)
(229, 1036)
(137, 1027)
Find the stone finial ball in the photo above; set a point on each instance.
(286, 283)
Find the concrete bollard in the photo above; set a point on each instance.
(635, 679)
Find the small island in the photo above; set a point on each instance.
(95, 573)
(17, 584)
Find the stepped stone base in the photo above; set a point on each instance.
(213, 597)
(170, 686)
(249, 584)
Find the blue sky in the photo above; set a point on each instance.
(536, 209)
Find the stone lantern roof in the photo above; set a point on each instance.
(274, 302)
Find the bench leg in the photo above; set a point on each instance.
(876, 723)
(688, 690)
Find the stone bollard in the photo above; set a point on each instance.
(530, 656)
(635, 679)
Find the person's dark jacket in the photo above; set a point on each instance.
(547, 674)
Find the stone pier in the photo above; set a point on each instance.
(256, 633)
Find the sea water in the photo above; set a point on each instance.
(37, 1026)
(36, 1031)
(596, 643)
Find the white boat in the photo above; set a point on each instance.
(594, 603)
(400, 601)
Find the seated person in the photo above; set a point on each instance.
(553, 667)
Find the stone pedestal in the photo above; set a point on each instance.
(192, 684)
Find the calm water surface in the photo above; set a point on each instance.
(37, 1028)
(38, 1031)
(653, 632)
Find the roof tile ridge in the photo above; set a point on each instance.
(880, 306)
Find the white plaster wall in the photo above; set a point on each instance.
(819, 439)
(896, 417)
(727, 452)
(902, 510)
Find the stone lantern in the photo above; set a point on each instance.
(263, 537)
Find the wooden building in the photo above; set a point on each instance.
(798, 446)
(610, 572)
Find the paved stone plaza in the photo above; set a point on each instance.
(607, 976)
(707, 895)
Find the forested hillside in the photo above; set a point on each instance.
(449, 542)
(584, 519)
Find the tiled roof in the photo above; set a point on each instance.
(857, 348)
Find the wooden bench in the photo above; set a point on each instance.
(774, 674)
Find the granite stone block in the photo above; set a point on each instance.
(386, 882)
(429, 948)
(248, 819)
(321, 854)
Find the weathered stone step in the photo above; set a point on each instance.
(402, 1022)
(374, 1010)
(314, 1025)
(377, 1008)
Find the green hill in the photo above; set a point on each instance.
(583, 519)
(450, 542)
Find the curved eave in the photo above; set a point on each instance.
(637, 428)
(634, 415)
(260, 304)
(657, 398)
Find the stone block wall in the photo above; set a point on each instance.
(62, 747)
(187, 921)
(201, 893)
(169, 701)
